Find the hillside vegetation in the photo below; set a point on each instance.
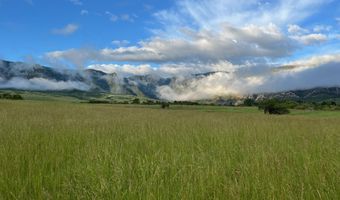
(60, 150)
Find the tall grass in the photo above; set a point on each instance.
(51, 150)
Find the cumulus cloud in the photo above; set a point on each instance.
(233, 44)
(77, 57)
(67, 30)
(296, 29)
(214, 30)
(311, 38)
(42, 84)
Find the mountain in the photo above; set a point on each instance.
(9, 70)
(97, 81)
(315, 94)
(34, 77)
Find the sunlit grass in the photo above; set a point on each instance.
(58, 150)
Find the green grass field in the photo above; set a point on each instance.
(63, 150)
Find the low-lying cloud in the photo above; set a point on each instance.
(41, 84)
(315, 72)
(164, 70)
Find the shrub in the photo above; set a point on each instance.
(274, 107)
(11, 96)
(136, 101)
(165, 105)
(149, 102)
(188, 103)
(249, 102)
(17, 97)
(98, 101)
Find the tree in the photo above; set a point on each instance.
(11, 96)
(249, 102)
(165, 105)
(274, 107)
(17, 97)
(136, 101)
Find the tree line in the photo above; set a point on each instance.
(10, 96)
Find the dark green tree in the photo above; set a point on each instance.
(274, 107)
(165, 105)
(249, 102)
(136, 101)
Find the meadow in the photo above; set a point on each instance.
(65, 150)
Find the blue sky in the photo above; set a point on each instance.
(26, 27)
(246, 38)
(31, 28)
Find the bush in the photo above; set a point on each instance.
(187, 103)
(136, 101)
(17, 97)
(98, 101)
(249, 102)
(274, 107)
(149, 102)
(11, 96)
(165, 105)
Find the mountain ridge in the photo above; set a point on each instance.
(137, 85)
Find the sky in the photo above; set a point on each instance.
(264, 45)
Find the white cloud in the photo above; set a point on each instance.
(209, 13)
(43, 84)
(233, 44)
(67, 30)
(296, 29)
(124, 70)
(322, 28)
(123, 17)
(313, 72)
(127, 17)
(312, 62)
(77, 57)
(77, 2)
(120, 43)
(338, 20)
(164, 70)
(311, 38)
(214, 30)
(112, 17)
(84, 12)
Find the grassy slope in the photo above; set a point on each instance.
(61, 150)
(70, 96)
